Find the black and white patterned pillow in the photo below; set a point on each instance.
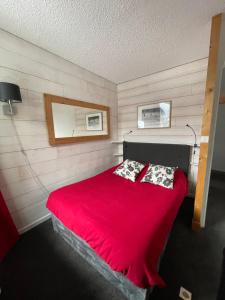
(129, 169)
(160, 175)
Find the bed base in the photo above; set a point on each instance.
(128, 289)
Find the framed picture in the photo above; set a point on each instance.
(94, 121)
(155, 115)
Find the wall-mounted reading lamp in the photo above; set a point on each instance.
(127, 133)
(195, 144)
(9, 93)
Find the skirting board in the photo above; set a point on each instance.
(34, 224)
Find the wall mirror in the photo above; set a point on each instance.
(71, 121)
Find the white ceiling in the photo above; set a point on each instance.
(117, 39)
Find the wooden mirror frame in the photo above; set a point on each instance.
(49, 99)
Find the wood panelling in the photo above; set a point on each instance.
(184, 86)
(164, 85)
(195, 67)
(37, 72)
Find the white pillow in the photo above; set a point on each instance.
(129, 169)
(160, 175)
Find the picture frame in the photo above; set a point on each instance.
(94, 122)
(154, 115)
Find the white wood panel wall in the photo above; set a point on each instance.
(37, 71)
(185, 87)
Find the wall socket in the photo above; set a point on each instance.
(185, 294)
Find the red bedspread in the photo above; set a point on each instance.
(126, 223)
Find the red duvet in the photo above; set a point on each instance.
(126, 223)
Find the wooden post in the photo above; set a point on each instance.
(222, 99)
(207, 118)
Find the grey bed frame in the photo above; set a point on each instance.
(165, 154)
(130, 291)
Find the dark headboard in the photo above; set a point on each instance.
(163, 154)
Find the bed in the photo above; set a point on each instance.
(121, 227)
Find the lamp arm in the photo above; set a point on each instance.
(127, 133)
(10, 107)
(195, 144)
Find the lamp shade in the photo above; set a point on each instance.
(9, 91)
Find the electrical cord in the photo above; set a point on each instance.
(32, 172)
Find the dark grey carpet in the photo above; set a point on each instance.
(42, 266)
(193, 259)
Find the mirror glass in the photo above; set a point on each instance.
(76, 121)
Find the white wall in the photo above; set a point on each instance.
(218, 162)
(185, 87)
(37, 71)
(223, 84)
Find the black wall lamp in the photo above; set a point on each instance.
(9, 93)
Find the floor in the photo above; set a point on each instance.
(42, 266)
(193, 259)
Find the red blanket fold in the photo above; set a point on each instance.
(126, 223)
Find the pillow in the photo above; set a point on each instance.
(129, 169)
(160, 175)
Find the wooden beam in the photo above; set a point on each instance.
(207, 118)
(222, 99)
(200, 186)
(211, 74)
